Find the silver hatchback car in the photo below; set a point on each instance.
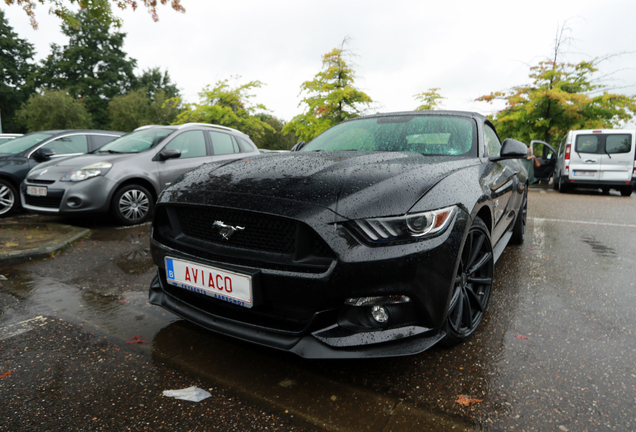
(126, 176)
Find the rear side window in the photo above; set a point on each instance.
(586, 144)
(244, 145)
(223, 143)
(618, 143)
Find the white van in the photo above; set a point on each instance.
(597, 158)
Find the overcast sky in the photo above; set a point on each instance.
(466, 48)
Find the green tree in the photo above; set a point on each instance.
(54, 109)
(135, 109)
(228, 106)
(153, 81)
(101, 10)
(330, 97)
(92, 66)
(430, 100)
(274, 139)
(16, 66)
(560, 96)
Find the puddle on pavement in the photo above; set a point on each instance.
(118, 317)
(138, 259)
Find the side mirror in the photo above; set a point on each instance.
(172, 153)
(43, 154)
(298, 146)
(511, 149)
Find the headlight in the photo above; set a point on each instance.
(405, 228)
(89, 171)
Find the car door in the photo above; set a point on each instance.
(585, 157)
(617, 158)
(547, 158)
(500, 180)
(194, 153)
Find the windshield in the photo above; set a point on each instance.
(427, 135)
(136, 142)
(23, 143)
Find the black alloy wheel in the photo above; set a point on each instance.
(132, 204)
(472, 287)
(8, 197)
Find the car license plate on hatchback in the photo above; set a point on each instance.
(580, 173)
(224, 285)
(36, 190)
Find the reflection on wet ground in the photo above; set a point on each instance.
(119, 317)
(598, 247)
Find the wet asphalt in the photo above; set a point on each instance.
(81, 349)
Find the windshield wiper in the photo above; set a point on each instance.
(108, 151)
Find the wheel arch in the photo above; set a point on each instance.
(134, 181)
(14, 182)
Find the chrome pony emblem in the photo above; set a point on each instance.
(226, 231)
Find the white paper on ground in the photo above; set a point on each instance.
(193, 394)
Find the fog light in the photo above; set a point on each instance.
(74, 202)
(379, 314)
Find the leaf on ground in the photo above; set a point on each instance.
(137, 340)
(6, 374)
(521, 337)
(467, 400)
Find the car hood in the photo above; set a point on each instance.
(351, 184)
(57, 168)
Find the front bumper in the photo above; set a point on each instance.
(68, 198)
(304, 311)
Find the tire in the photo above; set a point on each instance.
(555, 184)
(473, 283)
(132, 205)
(519, 230)
(626, 191)
(563, 188)
(8, 198)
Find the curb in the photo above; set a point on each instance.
(43, 251)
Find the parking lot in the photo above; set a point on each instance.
(555, 351)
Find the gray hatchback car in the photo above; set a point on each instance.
(126, 176)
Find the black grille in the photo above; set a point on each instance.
(266, 242)
(263, 233)
(37, 181)
(48, 202)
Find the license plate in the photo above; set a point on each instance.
(36, 190)
(224, 285)
(585, 173)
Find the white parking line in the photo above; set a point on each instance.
(584, 222)
(21, 327)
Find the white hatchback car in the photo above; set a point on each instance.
(600, 158)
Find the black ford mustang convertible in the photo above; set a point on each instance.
(378, 238)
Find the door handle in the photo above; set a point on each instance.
(590, 161)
